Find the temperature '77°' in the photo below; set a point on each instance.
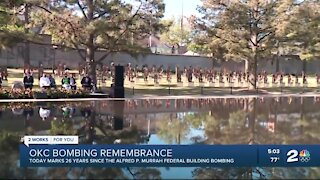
(274, 159)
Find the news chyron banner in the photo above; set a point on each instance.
(64, 151)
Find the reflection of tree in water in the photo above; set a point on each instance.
(230, 126)
(256, 173)
(144, 173)
(61, 127)
(9, 155)
(237, 131)
(92, 128)
(230, 131)
(105, 173)
(293, 173)
(222, 173)
(298, 128)
(173, 130)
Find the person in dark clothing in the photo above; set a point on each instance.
(52, 82)
(86, 82)
(28, 81)
(73, 82)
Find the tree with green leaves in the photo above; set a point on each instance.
(301, 31)
(177, 35)
(244, 30)
(92, 25)
(11, 27)
(15, 27)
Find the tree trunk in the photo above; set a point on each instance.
(90, 63)
(90, 49)
(91, 71)
(91, 127)
(26, 56)
(253, 73)
(254, 42)
(252, 121)
(246, 66)
(255, 69)
(254, 60)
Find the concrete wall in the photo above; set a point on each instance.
(72, 58)
(286, 65)
(38, 53)
(49, 56)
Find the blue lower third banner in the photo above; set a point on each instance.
(169, 155)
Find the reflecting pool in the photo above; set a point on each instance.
(279, 120)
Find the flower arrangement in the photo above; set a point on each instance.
(16, 94)
(56, 94)
(52, 94)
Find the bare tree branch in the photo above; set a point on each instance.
(264, 36)
(115, 42)
(79, 51)
(43, 8)
(100, 15)
(82, 10)
(253, 42)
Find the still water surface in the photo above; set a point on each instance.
(282, 120)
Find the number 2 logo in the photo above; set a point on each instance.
(292, 156)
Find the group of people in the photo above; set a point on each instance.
(67, 82)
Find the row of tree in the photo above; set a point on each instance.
(240, 30)
(252, 30)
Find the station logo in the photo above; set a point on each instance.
(304, 156)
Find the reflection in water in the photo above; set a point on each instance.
(182, 121)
